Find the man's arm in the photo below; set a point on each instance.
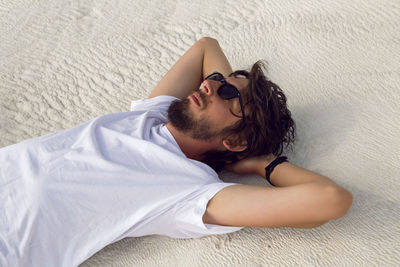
(301, 198)
(283, 175)
(202, 59)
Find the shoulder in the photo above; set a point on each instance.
(160, 103)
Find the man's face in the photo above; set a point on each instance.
(204, 114)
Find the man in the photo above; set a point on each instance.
(306, 200)
(68, 194)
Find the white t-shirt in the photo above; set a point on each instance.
(66, 195)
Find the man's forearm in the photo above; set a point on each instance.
(334, 198)
(288, 174)
(187, 74)
(214, 58)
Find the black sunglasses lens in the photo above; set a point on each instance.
(216, 76)
(227, 91)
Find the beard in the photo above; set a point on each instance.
(181, 118)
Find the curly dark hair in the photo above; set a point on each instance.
(268, 127)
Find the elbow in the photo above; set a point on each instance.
(341, 201)
(207, 39)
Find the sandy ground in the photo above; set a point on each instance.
(65, 62)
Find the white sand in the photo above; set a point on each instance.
(65, 62)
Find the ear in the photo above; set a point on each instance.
(234, 148)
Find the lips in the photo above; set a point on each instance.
(196, 99)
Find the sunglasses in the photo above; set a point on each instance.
(226, 91)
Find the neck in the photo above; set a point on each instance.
(192, 148)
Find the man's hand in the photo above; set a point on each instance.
(253, 165)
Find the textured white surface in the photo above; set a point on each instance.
(65, 62)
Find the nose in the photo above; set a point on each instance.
(210, 86)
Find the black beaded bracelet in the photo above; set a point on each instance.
(271, 167)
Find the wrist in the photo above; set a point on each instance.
(276, 174)
(272, 166)
(260, 168)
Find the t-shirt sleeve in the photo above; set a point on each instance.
(158, 103)
(188, 215)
